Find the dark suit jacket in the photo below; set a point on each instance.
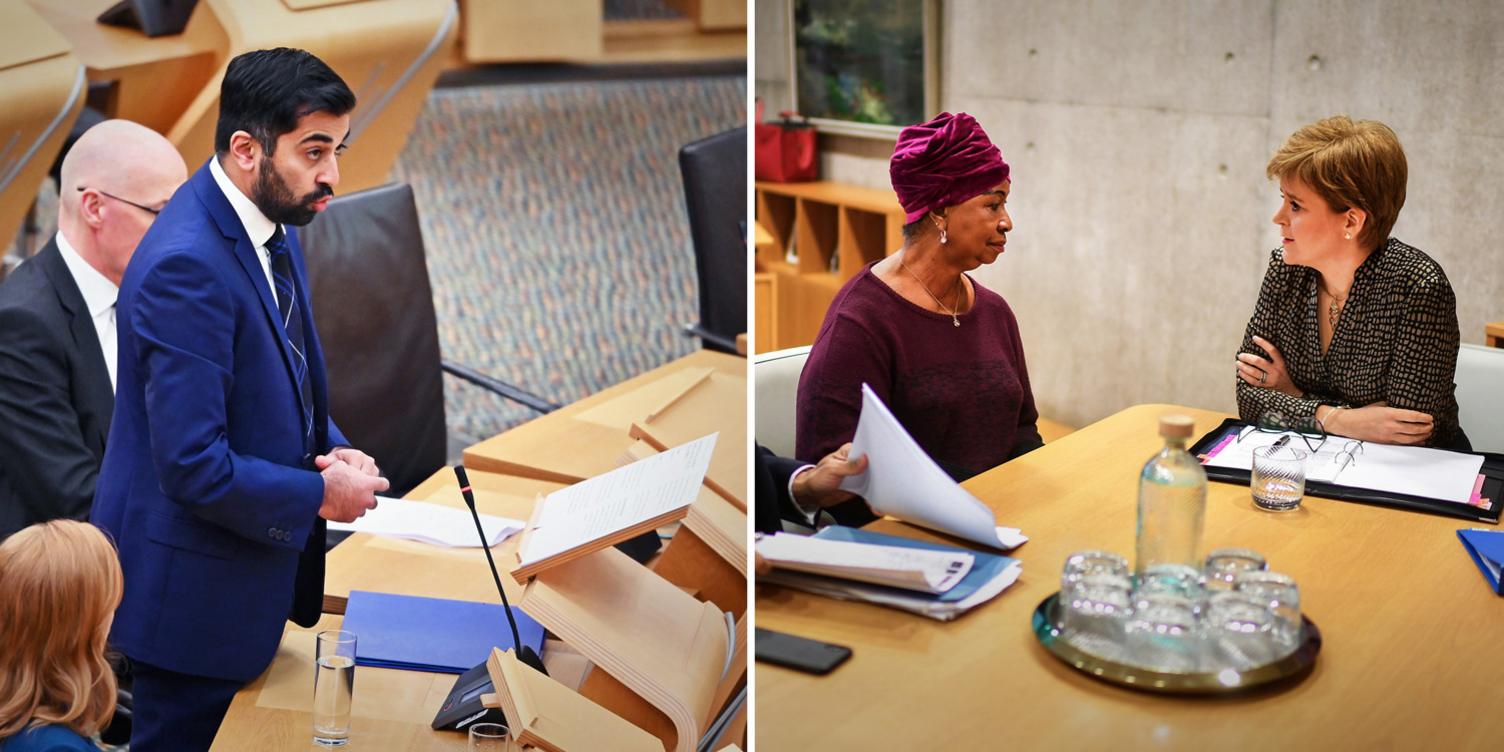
(771, 488)
(55, 397)
(208, 486)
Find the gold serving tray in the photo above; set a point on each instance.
(1224, 682)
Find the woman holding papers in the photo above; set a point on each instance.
(1352, 327)
(59, 585)
(940, 350)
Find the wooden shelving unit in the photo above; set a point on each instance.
(833, 229)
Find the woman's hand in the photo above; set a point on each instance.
(1381, 423)
(1270, 374)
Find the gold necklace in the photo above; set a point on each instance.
(1334, 307)
(955, 320)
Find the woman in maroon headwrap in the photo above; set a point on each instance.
(941, 351)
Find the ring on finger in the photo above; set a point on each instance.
(1262, 374)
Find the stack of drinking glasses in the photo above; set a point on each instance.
(1172, 618)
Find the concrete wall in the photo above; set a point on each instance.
(1138, 134)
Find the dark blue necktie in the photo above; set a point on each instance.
(292, 323)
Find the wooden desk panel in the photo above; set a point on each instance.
(1411, 631)
(567, 448)
(156, 77)
(1493, 334)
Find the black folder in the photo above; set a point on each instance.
(1492, 471)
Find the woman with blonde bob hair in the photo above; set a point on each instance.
(59, 585)
(1353, 331)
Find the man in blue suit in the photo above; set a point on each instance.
(222, 464)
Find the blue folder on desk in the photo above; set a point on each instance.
(986, 566)
(1487, 549)
(431, 634)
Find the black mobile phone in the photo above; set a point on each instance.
(800, 653)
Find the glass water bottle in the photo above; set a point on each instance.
(1171, 506)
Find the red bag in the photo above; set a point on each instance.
(786, 151)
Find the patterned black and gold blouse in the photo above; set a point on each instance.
(1396, 340)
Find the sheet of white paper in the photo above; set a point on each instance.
(902, 481)
(619, 499)
(896, 566)
(429, 523)
(1415, 471)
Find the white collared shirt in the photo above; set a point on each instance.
(257, 227)
(99, 295)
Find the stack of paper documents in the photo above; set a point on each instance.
(904, 567)
(988, 574)
(431, 634)
(903, 482)
(430, 523)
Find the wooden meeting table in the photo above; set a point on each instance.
(1412, 653)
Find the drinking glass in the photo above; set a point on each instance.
(1094, 611)
(1163, 634)
(1175, 579)
(333, 687)
(1279, 477)
(1223, 565)
(1280, 594)
(1083, 563)
(489, 737)
(1238, 628)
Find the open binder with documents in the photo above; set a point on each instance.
(1468, 485)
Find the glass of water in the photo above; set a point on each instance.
(489, 737)
(1279, 477)
(333, 687)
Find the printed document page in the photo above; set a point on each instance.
(902, 481)
(614, 501)
(429, 523)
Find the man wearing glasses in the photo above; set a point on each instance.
(57, 323)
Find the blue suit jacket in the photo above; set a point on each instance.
(207, 485)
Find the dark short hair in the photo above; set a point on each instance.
(265, 92)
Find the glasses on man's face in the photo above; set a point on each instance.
(1273, 421)
(153, 212)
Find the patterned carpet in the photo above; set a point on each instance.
(557, 239)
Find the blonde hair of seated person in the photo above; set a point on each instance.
(60, 582)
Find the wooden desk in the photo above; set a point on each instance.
(155, 78)
(1411, 632)
(1493, 334)
(388, 565)
(392, 708)
(588, 437)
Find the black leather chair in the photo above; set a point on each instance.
(374, 308)
(715, 194)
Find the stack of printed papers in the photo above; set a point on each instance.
(988, 575)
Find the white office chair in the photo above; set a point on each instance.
(777, 377)
(1480, 404)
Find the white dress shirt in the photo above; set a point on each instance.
(257, 227)
(99, 295)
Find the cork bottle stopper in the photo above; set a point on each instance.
(1176, 426)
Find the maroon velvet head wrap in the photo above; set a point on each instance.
(942, 163)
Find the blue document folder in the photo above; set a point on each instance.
(1487, 549)
(431, 634)
(987, 565)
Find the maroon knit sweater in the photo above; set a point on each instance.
(961, 392)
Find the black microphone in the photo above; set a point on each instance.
(524, 653)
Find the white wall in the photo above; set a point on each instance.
(1138, 134)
